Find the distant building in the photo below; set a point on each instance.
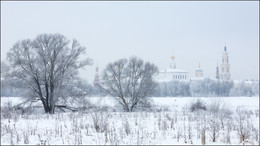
(172, 73)
(225, 66)
(217, 72)
(199, 72)
(96, 80)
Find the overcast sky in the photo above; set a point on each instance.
(194, 32)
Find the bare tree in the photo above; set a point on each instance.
(44, 64)
(129, 81)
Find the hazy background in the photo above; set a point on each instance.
(192, 31)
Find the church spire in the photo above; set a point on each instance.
(96, 80)
(199, 72)
(225, 66)
(173, 64)
(217, 72)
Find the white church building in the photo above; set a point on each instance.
(172, 73)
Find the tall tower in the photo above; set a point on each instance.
(225, 67)
(217, 72)
(199, 72)
(96, 80)
(173, 64)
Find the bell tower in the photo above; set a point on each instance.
(225, 66)
(199, 72)
(217, 72)
(96, 80)
(173, 64)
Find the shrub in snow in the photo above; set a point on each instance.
(145, 105)
(100, 121)
(127, 128)
(6, 110)
(245, 126)
(198, 105)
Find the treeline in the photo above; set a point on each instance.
(196, 88)
(207, 88)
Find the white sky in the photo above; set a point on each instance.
(192, 31)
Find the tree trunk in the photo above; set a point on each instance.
(127, 108)
(51, 104)
(214, 136)
(52, 109)
(45, 106)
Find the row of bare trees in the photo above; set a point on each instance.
(47, 69)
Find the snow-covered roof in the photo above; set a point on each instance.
(198, 69)
(236, 81)
(173, 70)
(169, 80)
(197, 78)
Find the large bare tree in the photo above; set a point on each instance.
(47, 66)
(129, 81)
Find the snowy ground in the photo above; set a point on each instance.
(172, 123)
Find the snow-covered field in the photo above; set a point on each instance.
(171, 123)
